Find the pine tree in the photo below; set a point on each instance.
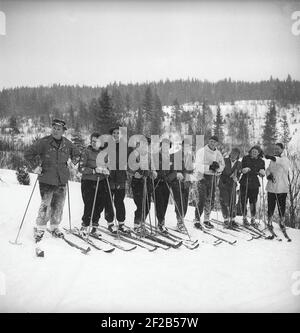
(139, 126)
(269, 136)
(238, 131)
(176, 115)
(285, 137)
(148, 111)
(118, 106)
(94, 110)
(157, 116)
(218, 125)
(78, 140)
(105, 118)
(13, 125)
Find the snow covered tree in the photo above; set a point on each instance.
(78, 140)
(94, 110)
(238, 131)
(294, 192)
(204, 121)
(269, 136)
(139, 126)
(148, 111)
(218, 125)
(285, 137)
(157, 116)
(105, 118)
(176, 115)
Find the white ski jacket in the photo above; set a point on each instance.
(204, 158)
(280, 171)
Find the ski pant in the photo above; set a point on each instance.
(228, 200)
(52, 205)
(118, 196)
(251, 195)
(206, 197)
(280, 200)
(142, 203)
(162, 194)
(88, 189)
(180, 209)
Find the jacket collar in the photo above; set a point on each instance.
(53, 143)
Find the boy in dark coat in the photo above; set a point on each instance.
(91, 173)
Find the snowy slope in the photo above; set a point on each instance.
(250, 276)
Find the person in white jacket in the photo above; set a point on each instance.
(209, 163)
(278, 185)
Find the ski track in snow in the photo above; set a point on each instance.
(247, 277)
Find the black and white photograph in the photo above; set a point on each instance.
(149, 158)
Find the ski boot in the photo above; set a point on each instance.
(95, 232)
(246, 222)
(227, 224)
(208, 225)
(38, 234)
(180, 226)
(234, 224)
(198, 225)
(123, 229)
(137, 228)
(283, 230)
(271, 229)
(111, 228)
(57, 233)
(83, 231)
(253, 223)
(162, 229)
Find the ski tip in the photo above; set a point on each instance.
(154, 249)
(110, 250)
(39, 253)
(15, 243)
(86, 251)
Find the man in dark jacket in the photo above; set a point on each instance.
(165, 174)
(252, 166)
(117, 182)
(227, 186)
(48, 157)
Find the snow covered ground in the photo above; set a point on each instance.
(250, 276)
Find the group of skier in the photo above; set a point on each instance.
(103, 190)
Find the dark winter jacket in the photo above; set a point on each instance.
(186, 166)
(53, 159)
(228, 171)
(117, 178)
(87, 164)
(255, 164)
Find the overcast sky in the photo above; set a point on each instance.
(97, 42)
